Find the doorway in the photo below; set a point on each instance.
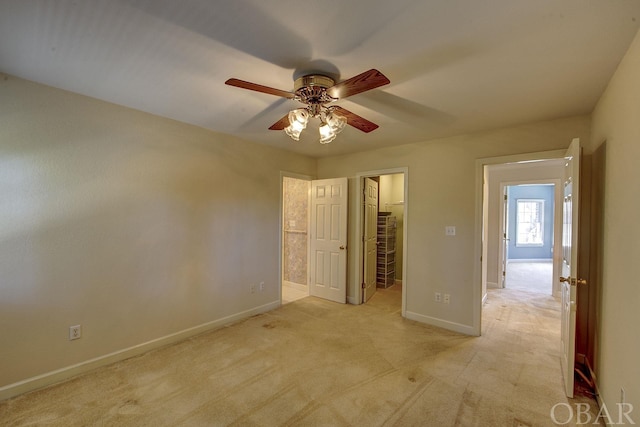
(295, 238)
(390, 239)
(528, 236)
(296, 207)
(501, 251)
(313, 238)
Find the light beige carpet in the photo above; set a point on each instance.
(530, 276)
(317, 363)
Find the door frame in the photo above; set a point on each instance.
(479, 267)
(557, 224)
(309, 178)
(359, 222)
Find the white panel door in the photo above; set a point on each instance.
(370, 237)
(569, 280)
(328, 240)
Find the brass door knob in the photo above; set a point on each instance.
(572, 281)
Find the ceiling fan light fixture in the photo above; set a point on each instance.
(336, 121)
(332, 124)
(327, 134)
(298, 120)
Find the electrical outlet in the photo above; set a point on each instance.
(450, 230)
(447, 298)
(438, 297)
(252, 288)
(261, 286)
(75, 332)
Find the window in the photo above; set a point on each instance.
(529, 220)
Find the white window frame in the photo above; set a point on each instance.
(540, 231)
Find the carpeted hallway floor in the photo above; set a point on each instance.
(317, 363)
(530, 276)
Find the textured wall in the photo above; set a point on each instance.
(296, 219)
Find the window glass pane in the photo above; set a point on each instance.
(529, 222)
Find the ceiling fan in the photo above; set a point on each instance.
(317, 91)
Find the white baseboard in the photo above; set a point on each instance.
(529, 260)
(445, 324)
(484, 298)
(493, 285)
(353, 300)
(67, 372)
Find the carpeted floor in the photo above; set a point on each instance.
(317, 363)
(530, 276)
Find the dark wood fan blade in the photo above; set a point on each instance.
(259, 88)
(280, 124)
(355, 120)
(362, 82)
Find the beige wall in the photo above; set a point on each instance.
(134, 226)
(616, 121)
(442, 191)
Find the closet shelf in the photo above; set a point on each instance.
(386, 257)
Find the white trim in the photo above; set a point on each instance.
(353, 300)
(445, 324)
(67, 372)
(524, 157)
(357, 299)
(529, 260)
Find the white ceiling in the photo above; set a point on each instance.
(455, 66)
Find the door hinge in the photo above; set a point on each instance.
(364, 285)
(506, 197)
(504, 273)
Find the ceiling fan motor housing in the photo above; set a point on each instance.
(312, 89)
